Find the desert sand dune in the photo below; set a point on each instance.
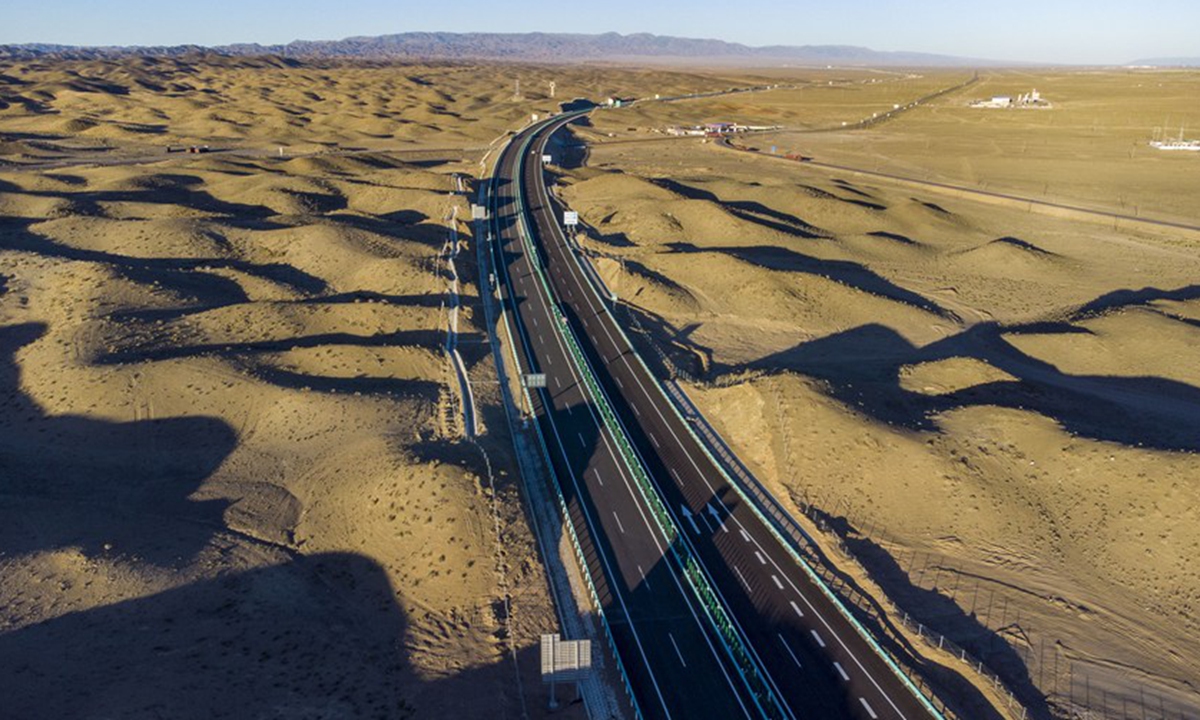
(232, 481)
(974, 397)
(229, 448)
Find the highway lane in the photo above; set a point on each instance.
(818, 663)
(672, 656)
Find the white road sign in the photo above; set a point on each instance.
(565, 660)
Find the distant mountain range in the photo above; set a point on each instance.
(532, 47)
(1169, 62)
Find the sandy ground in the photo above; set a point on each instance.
(996, 409)
(232, 475)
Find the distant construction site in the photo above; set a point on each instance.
(1032, 99)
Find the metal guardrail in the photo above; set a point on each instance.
(568, 522)
(587, 575)
(761, 692)
(803, 542)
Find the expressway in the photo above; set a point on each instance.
(813, 659)
(673, 659)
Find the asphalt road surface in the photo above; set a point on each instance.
(674, 660)
(817, 664)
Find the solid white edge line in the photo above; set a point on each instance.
(789, 649)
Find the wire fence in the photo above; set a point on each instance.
(983, 629)
(1028, 671)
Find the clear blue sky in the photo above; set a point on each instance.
(1071, 31)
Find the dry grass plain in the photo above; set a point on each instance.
(232, 481)
(1090, 148)
(997, 409)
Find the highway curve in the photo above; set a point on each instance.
(674, 661)
(815, 660)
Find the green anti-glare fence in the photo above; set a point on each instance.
(571, 532)
(730, 638)
(772, 524)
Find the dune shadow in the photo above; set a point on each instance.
(845, 272)
(408, 225)
(143, 468)
(430, 339)
(170, 189)
(895, 237)
(413, 389)
(415, 300)
(862, 368)
(186, 276)
(1016, 242)
(748, 211)
(317, 636)
(1130, 298)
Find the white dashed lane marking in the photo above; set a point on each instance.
(818, 638)
(868, 708)
(797, 609)
(684, 662)
(742, 577)
(841, 671)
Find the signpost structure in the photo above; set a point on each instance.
(564, 661)
(534, 380)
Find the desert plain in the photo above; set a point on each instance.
(234, 477)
